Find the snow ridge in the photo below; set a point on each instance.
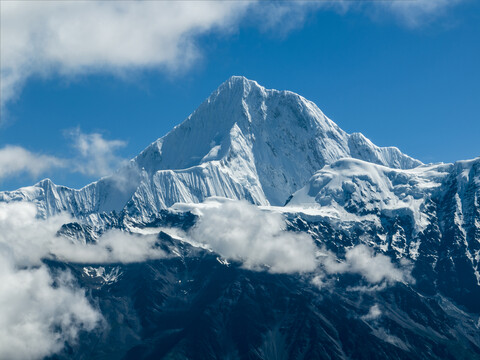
(243, 142)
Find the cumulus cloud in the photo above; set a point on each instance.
(96, 156)
(16, 160)
(41, 310)
(38, 311)
(240, 231)
(363, 260)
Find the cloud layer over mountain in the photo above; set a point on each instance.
(40, 310)
(362, 260)
(242, 232)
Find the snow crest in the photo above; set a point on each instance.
(243, 142)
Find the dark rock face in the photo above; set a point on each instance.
(192, 306)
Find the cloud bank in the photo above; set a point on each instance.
(240, 231)
(41, 310)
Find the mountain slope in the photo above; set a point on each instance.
(429, 215)
(243, 142)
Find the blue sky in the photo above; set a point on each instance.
(404, 75)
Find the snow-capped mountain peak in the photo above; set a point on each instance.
(243, 142)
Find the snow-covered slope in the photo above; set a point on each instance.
(279, 137)
(429, 214)
(362, 188)
(243, 142)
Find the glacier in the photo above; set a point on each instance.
(243, 142)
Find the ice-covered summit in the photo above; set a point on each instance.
(282, 137)
(243, 142)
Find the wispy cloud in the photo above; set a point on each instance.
(373, 314)
(115, 246)
(414, 13)
(373, 267)
(94, 156)
(16, 160)
(97, 156)
(281, 17)
(27, 240)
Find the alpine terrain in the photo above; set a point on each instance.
(258, 229)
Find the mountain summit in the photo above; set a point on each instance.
(243, 142)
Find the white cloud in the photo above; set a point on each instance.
(281, 17)
(40, 311)
(28, 240)
(36, 316)
(78, 37)
(362, 260)
(373, 314)
(67, 38)
(16, 160)
(112, 247)
(96, 155)
(240, 231)
(418, 12)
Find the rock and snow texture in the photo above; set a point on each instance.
(362, 188)
(243, 142)
(429, 214)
